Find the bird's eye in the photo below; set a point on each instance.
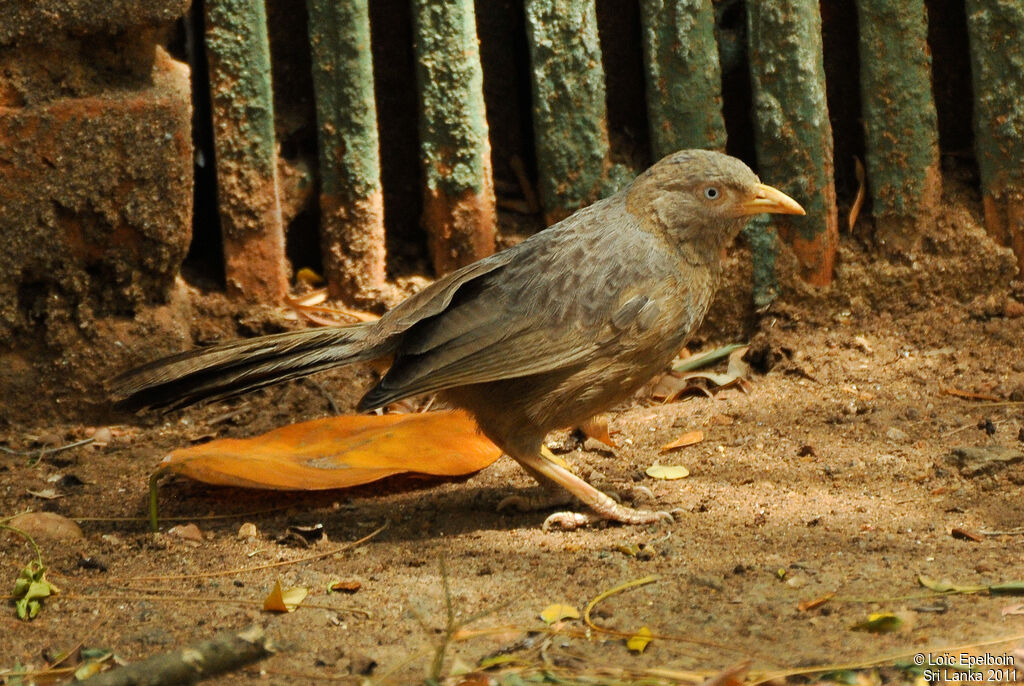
(712, 193)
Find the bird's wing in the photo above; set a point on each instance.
(552, 305)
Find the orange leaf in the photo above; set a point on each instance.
(338, 452)
(688, 438)
(806, 605)
(597, 428)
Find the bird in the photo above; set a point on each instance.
(540, 336)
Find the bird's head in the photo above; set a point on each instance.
(702, 198)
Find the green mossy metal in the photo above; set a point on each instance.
(900, 124)
(996, 31)
(453, 121)
(246, 150)
(237, 43)
(684, 81)
(793, 135)
(569, 113)
(764, 246)
(346, 110)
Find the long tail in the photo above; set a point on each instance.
(233, 368)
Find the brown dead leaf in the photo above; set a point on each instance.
(339, 452)
(190, 532)
(46, 525)
(806, 605)
(344, 586)
(966, 535)
(597, 428)
(688, 438)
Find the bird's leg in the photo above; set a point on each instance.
(553, 495)
(602, 505)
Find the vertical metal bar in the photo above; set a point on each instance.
(996, 33)
(458, 202)
(351, 201)
(900, 125)
(684, 80)
(245, 148)
(792, 130)
(569, 112)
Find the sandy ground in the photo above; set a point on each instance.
(831, 474)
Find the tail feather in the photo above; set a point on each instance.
(232, 368)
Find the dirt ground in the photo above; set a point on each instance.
(831, 474)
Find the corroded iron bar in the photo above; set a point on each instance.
(458, 201)
(900, 125)
(996, 33)
(792, 130)
(684, 80)
(351, 201)
(245, 148)
(569, 112)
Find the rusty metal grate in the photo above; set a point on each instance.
(688, 51)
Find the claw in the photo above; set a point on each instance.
(567, 521)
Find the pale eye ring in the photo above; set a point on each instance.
(712, 193)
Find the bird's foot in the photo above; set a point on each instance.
(535, 501)
(567, 521)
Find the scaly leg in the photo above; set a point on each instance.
(603, 506)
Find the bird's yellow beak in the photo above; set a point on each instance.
(769, 200)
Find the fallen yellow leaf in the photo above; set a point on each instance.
(338, 452)
(558, 612)
(688, 438)
(638, 641)
(667, 472)
(284, 600)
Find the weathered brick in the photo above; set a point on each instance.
(95, 202)
(32, 20)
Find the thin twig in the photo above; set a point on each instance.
(269, 565)
(37, 453)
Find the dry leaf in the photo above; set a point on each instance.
(806, 605)
(546, 453)
(638, 641)
(688, 438)
(45, 494)
(284, 600)
(338, 452)
(667, 472)
(246, 531)
(730, 676)
(190, 532)
(308, 277)
(1017, 609)
(558, 612)
(46, 525)
(344, 586)
(102, 436)
(966, 535)
(879, 623)
(597, 428)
